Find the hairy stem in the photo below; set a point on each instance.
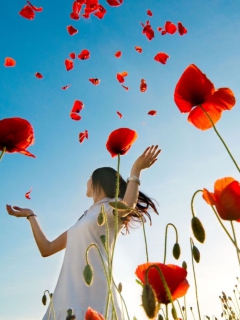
(195, 281)
(235, 240)
(165, 246)
(192, 201)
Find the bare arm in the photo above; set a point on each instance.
(46, 247)
(146, 160)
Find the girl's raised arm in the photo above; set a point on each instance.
(46, 247)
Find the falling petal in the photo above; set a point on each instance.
(181, 29)
(159, 29)
(143, 85)
(27, 13)
(66, 87)
(75, 116)
(94, 81)
(35, 8)
(161, 57)
(38, 75)
(119, 114)
(152, 112)
(83, 135)
(77, 106)
(170, 27)
(101, 12)
(74, 16)
(27, 194)
(126, 88)
(149, 13)
(114, 3)
(147, 30)
(138, 49)
(69, 64)
(120, 76)
(9, 62)
(71, 30)
(72, 55)
(85, 54)
(118, 54)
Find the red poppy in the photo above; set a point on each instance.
(138, 49)
(69, 64)
(72, 55)
(120, 141)
(93, 315)
(100, 13)
(152, 112)
(16, 135)
(84, 54)
(194, 89)
(181, 29)
(147, 30)
(143, 85)
(175, 277)
(161, 57)
(121, 76)
(34, 7)
(27, 13)
(83, 135)
(149, 13)
(66, 87)
(27, 194)
(71, 30)
(119, 114)
(9, 62)
(169, 28)
(226, 198)
(38, 75)
(114, 3)
(94, 81)
(118, 54)
(126, 88)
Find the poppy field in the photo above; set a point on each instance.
(92, 83)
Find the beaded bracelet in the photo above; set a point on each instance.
(31, 215)
(133, 178)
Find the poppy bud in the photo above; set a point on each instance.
(176, 250)
(149, 301)
(88, 274)
(44, 299)
(184, 265)
(103, 240)
(120, 287)
(174, 314)
(196, 254)
(160, 317)
(70, 315)
(101, 217)
(198, 229)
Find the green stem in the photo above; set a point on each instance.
(180, 310)
(192, 201)
(166, 308)
(223, 142)
(224, 228)
(195, 281)
(165, 246)
(145, 238)
(236, 302)
(2, 153)
(185, 306)
(235, 240)
(125, 306)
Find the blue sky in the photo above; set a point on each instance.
(190, 159)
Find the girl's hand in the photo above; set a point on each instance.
(18, 212)
(147, 159)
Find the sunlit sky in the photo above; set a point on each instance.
(190, 159)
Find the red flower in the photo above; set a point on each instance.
(38, 75)
(149, 12)
(93, 315)
(69, 64)
(16, 135)
(27, 194)
(77, 107)
(114, 3)
(120, 141)
(94, 81)
(147, 30)
(143, 85)
(226, 198)
(161, 57)
(152, 112)
(83, 135)
(71, 30)
(9, 62)
(181, 29)
(121, 76)
(118, 54)
(119, 114)
(27, 13)
(101, 12)
(138, 49)
(194, 89)
(85, 54)
(175, 277)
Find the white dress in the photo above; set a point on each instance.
(71, 290)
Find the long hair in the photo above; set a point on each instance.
(105, 178)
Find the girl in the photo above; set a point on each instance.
(71, 290)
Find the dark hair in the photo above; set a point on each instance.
(105, 178)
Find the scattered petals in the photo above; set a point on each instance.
(101, 12)
(138, 49)
(9, 62)
(119, 114)
(35, 8)
(161, 57)
(72, 55)
(143, 85)
(118, 54)
(94, 81)
(38, 75)
(114, 3)
(27, 194)
(71, 30)
(27, 13)
(83, 135)
(181, 29)
(69, 64)
(149, 13)
(152, 112)
(66, 87)
(84, 54)
(120, 141)
(121, 76)
(148, 31)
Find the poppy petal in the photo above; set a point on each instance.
(223, 99)
(119, 114)
(71, 30)
(120, 76)
(152, 112)
(199, 119)
(83, 135)
(118, 54)
(77, 106)
(9, 62)
(69, 64)
(72, 55)
(149, 13)
(181, 29)
(94, 81)
(27, 13)
(84, 54)
(161, 57)
(148, 31)
(27, 194)
(138, 49)
(75, 116)
(143, 85)
(38, 75)
(229, 201)
(101, 12)
(170, 27)
(114, 3)
(74, 16)
(220, 185)
(192, 89)
(66, 87)
(34, 7)
(209, 197)
(93, 315)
